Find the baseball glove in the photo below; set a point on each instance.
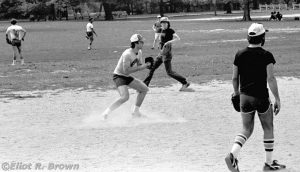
(235, 100)
(149, 60)
(8, 41)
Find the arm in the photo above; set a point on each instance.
(128, 69)
(273, 87)
(154, 28)
(94, 31)
(235, 80)
(175, 39)
(24, 31)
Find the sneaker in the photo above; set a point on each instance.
(274, 166)
(14, 63)
(184, 86)
(138, 115)
(89, 48)
(22, 62)
(232, 163)
(104, 116)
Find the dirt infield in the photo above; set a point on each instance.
(184, 131)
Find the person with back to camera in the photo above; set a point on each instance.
(252, 71)
(15, 34)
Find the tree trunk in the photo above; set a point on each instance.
(246, 16)
(161, 8)
(108, 12)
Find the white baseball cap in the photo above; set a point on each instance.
(164, 19)
(158, 16)
(256, 29)
(136, 37)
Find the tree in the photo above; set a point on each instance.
(246, 8)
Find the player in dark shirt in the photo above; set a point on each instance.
(252, 70)
(167, 37)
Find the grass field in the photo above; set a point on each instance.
(56, 53)
(49, 108)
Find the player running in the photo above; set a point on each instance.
(130, 62)
(252, 70)
(14, 35)
(167, 38)
(90, 32)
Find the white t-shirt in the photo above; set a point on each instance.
(89, 27)
(128, 59)
(15, 32)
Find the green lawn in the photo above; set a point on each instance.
(56, 54)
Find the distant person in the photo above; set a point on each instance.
(90, 32)
(279, 16)
(157, 30)
(131, 61)
(252, 71)
(15, 34)
(167, 38)
(273, 15)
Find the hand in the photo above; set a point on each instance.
(277, 107)
(148, 64)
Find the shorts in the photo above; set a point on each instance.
(16, 42)
(122, 80)
(251, 104)
(156, 36)
(90, 35)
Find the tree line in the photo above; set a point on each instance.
(58, 9)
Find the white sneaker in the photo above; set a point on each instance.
(138, 115)
(104, 116)
(22, 62)
(184, 86)
(89, 48)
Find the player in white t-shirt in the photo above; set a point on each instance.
(14, 35)
(130, 61)
(90, 32)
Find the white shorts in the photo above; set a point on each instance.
(156, 36)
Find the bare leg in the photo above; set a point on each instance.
(15, 52)
(266, 120)
(124, 96)
(142, 90)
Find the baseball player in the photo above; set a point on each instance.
(14, 35)
(157, 30)
(167, 38)
(252, 70)
(90, 32)
(131, 61)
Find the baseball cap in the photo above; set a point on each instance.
(158, 16)
(164, 19)
(136, 37)
(256, 29)
(13, 21)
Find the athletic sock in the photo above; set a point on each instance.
(269, 145)
(239, 141)
(107, 111)
(136, 109)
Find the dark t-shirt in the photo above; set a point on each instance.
(252, 69)
(166, 35)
